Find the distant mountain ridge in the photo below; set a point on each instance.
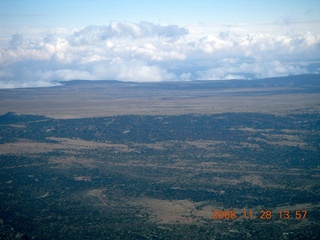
(273, 81)
(303, 83)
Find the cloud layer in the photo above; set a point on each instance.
(147, 52)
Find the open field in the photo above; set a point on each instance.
(97, 99)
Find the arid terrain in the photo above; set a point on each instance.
(81, 99)
(178, 160)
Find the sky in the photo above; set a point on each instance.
(43, 42)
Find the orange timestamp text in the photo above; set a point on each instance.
(262, 214)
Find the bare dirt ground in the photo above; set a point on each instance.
(96, 100)
(29, 147)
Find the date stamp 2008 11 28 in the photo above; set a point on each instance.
(263, 214)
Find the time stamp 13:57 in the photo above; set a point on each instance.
(263, 214)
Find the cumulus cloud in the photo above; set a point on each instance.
(250, 70)
(96, 34)
(147, 52)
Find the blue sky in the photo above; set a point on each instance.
(79, 13)
(42, 42)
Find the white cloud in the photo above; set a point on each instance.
(130, 71)
(97, 34)
(148, 52)
(251, 70)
